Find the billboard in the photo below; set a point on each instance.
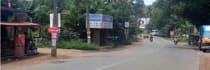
(100, 21)
(143, 22)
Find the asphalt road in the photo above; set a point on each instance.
(161, 54)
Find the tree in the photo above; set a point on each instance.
(73, 14)
(179, 14)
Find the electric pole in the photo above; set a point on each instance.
(87, 24)
(55, 24)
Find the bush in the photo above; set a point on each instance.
(77, 44)
(129, 40)
(42, 44)
(184, 39)
(117, 42)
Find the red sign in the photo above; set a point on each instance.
(53, 30)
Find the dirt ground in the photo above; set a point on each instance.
(62, 55)
(204, 61)
(44, 56)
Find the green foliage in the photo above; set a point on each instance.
(116, 42)
(42, 44)
(129, 41)
(73, 16)
(77, 44)
(73, 44)
(167, 15)
(178, 11)
(184, 39)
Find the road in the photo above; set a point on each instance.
(161, 54)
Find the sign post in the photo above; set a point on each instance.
(126, 29)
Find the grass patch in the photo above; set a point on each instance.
(77, 44)
(73, 44)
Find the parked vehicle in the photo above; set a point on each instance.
(204, 38)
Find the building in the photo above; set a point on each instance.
(15, 35)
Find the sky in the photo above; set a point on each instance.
(149, 2)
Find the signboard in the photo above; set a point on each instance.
(53, 30)
(59, 20)
(143, 22)
(100, 21)
(126, 24)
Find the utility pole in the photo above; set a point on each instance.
(9, 3)
(55, 24)
(87, 24)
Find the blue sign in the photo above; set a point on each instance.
(107, 18)
(100, 21)
(95, 17)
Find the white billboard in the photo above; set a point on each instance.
(143, 22)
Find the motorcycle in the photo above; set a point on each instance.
(175, 41)
(151, 39)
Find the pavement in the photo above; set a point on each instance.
(160, 54)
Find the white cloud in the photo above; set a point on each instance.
(149, 2)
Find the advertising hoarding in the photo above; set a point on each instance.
(100, 21)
